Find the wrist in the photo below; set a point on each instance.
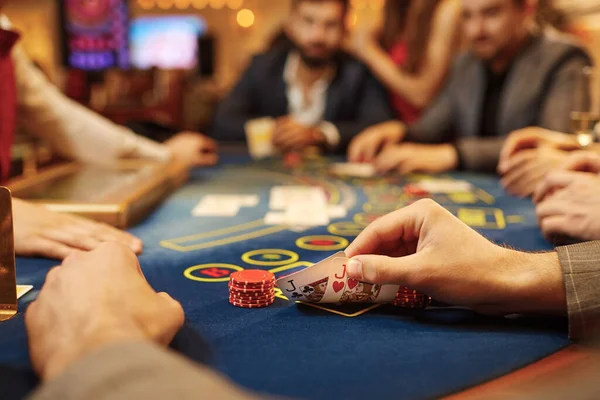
(538, 284)
(71, 352)
(449, 155)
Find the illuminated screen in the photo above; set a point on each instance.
(95, 33)
(169, 42)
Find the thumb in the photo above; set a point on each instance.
(381, 269)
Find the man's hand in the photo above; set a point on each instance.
(533, 138)
(527, 168)
(371, 141)
(578, 161)
(43, 233)
(193, 149)
(568, 205)
(407, 158)
(289, 135)
(426, 248)
(93, 300)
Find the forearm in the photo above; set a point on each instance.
(418, 90)
(137, 370)
(581, 269)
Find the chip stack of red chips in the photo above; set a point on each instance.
(252, 289)
(409, 298)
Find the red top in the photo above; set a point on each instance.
(405, 111)
(8, 101)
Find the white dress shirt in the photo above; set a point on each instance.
(72, 130)
(309, 109)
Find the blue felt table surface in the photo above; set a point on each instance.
(296, 350)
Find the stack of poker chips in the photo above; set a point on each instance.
(408, 298)
(252, 289)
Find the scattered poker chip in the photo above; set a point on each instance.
(252, 276)
(415, 190)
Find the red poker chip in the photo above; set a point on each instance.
(252, 295)
(252, 287)
(251, 290)
(251, 305)
(252, 276)
(415, 190)
(253, 301)
(252, 298)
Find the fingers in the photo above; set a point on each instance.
(583, 161)
(516, 161)
(556, 225)
(107, 233)
(383, 269)
(208, 145)
(551, 207)
(555, 180)
(355, 150)
(389, 160)
(518, 141)
(399, 229)
(206, 160)
(41, 247)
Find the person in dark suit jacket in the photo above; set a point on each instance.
(318, 95)
(514, 76)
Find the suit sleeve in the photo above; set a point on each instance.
(373, 108)
(581, 269)
(559, 100)
(72, 130)
(236, 109)
(437, 124)
(138, 371)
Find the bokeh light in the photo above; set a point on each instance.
(164, 4)
(199, 4)
(235, 4)
(245, 18)
(217, 4)
(146, 4)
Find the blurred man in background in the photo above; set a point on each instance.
(28, 99)
(318, 95)
(512, 78)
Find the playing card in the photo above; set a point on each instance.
(357, 170)
(275, 218)
(22, 290)
(214, 208)
(306, 215)
(309, 284)
(444, 186)
(342, 289)
(282, 197)
(337, 211)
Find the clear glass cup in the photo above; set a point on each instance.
(585, 114)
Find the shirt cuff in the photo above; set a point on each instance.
(331, 133)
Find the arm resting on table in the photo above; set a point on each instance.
(72, 130)
(581, 268)
(138, 370)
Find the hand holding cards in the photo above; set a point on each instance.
(327, 282)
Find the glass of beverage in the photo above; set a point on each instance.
(585, 115)
(259, 135)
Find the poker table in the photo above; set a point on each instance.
(314, 351)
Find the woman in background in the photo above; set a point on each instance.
(414, 52)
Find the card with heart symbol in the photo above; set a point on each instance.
(309, 284)
(342, 289)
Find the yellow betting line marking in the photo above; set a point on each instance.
(184, 249)
(515, 219)
(356, 314)
(220, 232)
(485, 196)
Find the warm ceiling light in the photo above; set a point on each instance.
(199, 4)
(217, 4)
(245, 18)
(146, 4)
(235, 4)
(377, 4)
(164, 4)
(358, 4)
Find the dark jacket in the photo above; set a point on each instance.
(539, 91)
(355, 99)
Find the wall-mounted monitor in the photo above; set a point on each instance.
(95, 34)
(166, 42)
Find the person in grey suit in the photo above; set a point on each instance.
(86, 345)
(318, 95)
(513, 77)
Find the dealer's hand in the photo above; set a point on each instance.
(426, 248)
(93, 300)
(409, 157)
(43, 233)
(193, 149)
